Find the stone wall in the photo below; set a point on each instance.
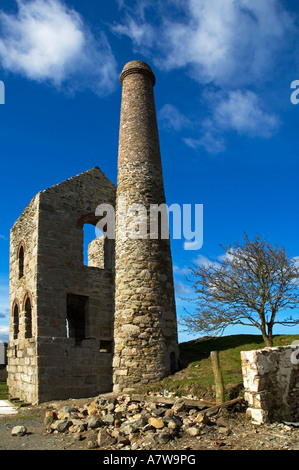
(71, 370)
(96, 253)
(145, 326)
(68, 320)
(72, 304)
(22, 351)
(271, 382)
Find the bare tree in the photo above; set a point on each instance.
(249, 285)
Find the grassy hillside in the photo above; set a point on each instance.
(196, 377)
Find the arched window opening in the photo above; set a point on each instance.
(106, 346)
(15, 321)
(98, 251)
(89, 231)
(21, 261)
(28, 319)
(93, 246)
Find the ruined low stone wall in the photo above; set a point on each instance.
(271, 382)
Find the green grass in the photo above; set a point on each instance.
(3, 391)
(196, 377)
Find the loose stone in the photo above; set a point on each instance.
(192, 431)
(156, 423)
(104, 439)
(19, 431)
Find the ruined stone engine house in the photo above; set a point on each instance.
(78, 330)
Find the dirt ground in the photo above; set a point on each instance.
(238, 434)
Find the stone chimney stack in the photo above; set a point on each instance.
(145, 326)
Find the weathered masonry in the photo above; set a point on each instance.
(145, 320)
(61, 310)
(77, 330)
(271, 382)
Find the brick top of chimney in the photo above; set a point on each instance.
(137, 66)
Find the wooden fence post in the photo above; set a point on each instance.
(218, 377)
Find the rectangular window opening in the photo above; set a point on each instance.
(106, 346)
(76, 315)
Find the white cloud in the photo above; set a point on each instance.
(211, 143)
(4, 293)
(220, 42)
(296, 261)
(5, 313)
(242, 111)
(4, 333)
(239, 111)
(134, 24)
(228, 255)
(172, 118)
(181, 271)
(47, 41)
(229, 45)
(202, 260)
(142, 34)
(181, 288)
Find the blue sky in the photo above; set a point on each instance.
(228, 128)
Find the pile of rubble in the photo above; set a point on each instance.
(126, 422)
